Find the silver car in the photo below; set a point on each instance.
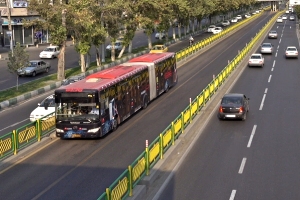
(35, 67)
(266, 48)
(257, 60)
(291, 52)
(273, 34)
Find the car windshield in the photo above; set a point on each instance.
(291, 49)
(274, 32)
(48, 102)
(231, 100)
(33, 64)
(49, 49)
(255, 57)
(266, 45)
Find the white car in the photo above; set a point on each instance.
(291, 52)
(50, 52)
(46, 107)
(118, 46)
(284, 17)
(225, 23)
(279, 19)
(257, 60)
(160, 35)
(234, 20)
(239, 17)
(217, 30)
(247, 15)
(210, 28)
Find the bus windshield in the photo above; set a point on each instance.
(77, 108)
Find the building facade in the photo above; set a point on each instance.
(19, 12)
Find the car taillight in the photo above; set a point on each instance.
(221, 109)
(241, 109)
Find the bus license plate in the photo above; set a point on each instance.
(76, 135)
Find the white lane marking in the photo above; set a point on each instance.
(266, 90)
(274, 63)
(262, 102)
(232, 195)
(13, 124)
(279, 40)
(251, 136)
(242, 165)
(276, 55)
(269, 80)
(272, 69)
(278, 46)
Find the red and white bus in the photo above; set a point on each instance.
(96, 105)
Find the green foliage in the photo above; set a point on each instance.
(17, 59)
(297, 10)
(83, 47)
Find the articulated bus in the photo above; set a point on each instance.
(96, 105)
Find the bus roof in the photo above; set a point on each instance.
(104, 78)
(152, 57)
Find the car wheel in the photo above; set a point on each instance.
(52, 57)
(47, 70)
(33, 73)
(244, 116)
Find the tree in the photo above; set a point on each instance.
(53, 17)
(17, 59)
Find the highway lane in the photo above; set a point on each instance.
(19, 115)
(81, 169)
(255, 159)
(8, 80)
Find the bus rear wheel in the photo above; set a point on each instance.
(114, 125)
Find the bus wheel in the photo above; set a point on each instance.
(166, 87)
(114, 125)
(145, 104)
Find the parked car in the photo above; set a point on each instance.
(266, 48)
(46, 107)
(234, 106)
(279, 19)
(210, 28)
(118, 46)
(292, 18)
(287, 11)
(35, 67)
(159, 49)
(72, 79)
(273, 34)
(257, 60)
(225, 23)
(234, 20)
(50, 52)
(291, 52)
(239, 17)
(160, 35)
(217, 30)
(247, 15)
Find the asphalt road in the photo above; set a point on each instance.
(258, 158)
(82, 169)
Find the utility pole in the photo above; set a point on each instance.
(9, 33)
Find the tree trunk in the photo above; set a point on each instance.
(88, 60)
(149, 42)
(113, 54)
(179, 30)
(174, 33)
(61, 63)
(122, 51)
(82, 63)
(130, 47)
(98, 57)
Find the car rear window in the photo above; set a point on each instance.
(255, 57)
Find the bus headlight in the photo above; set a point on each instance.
(59, 130)
(94, 130)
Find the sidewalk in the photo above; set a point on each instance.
(5, 50)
